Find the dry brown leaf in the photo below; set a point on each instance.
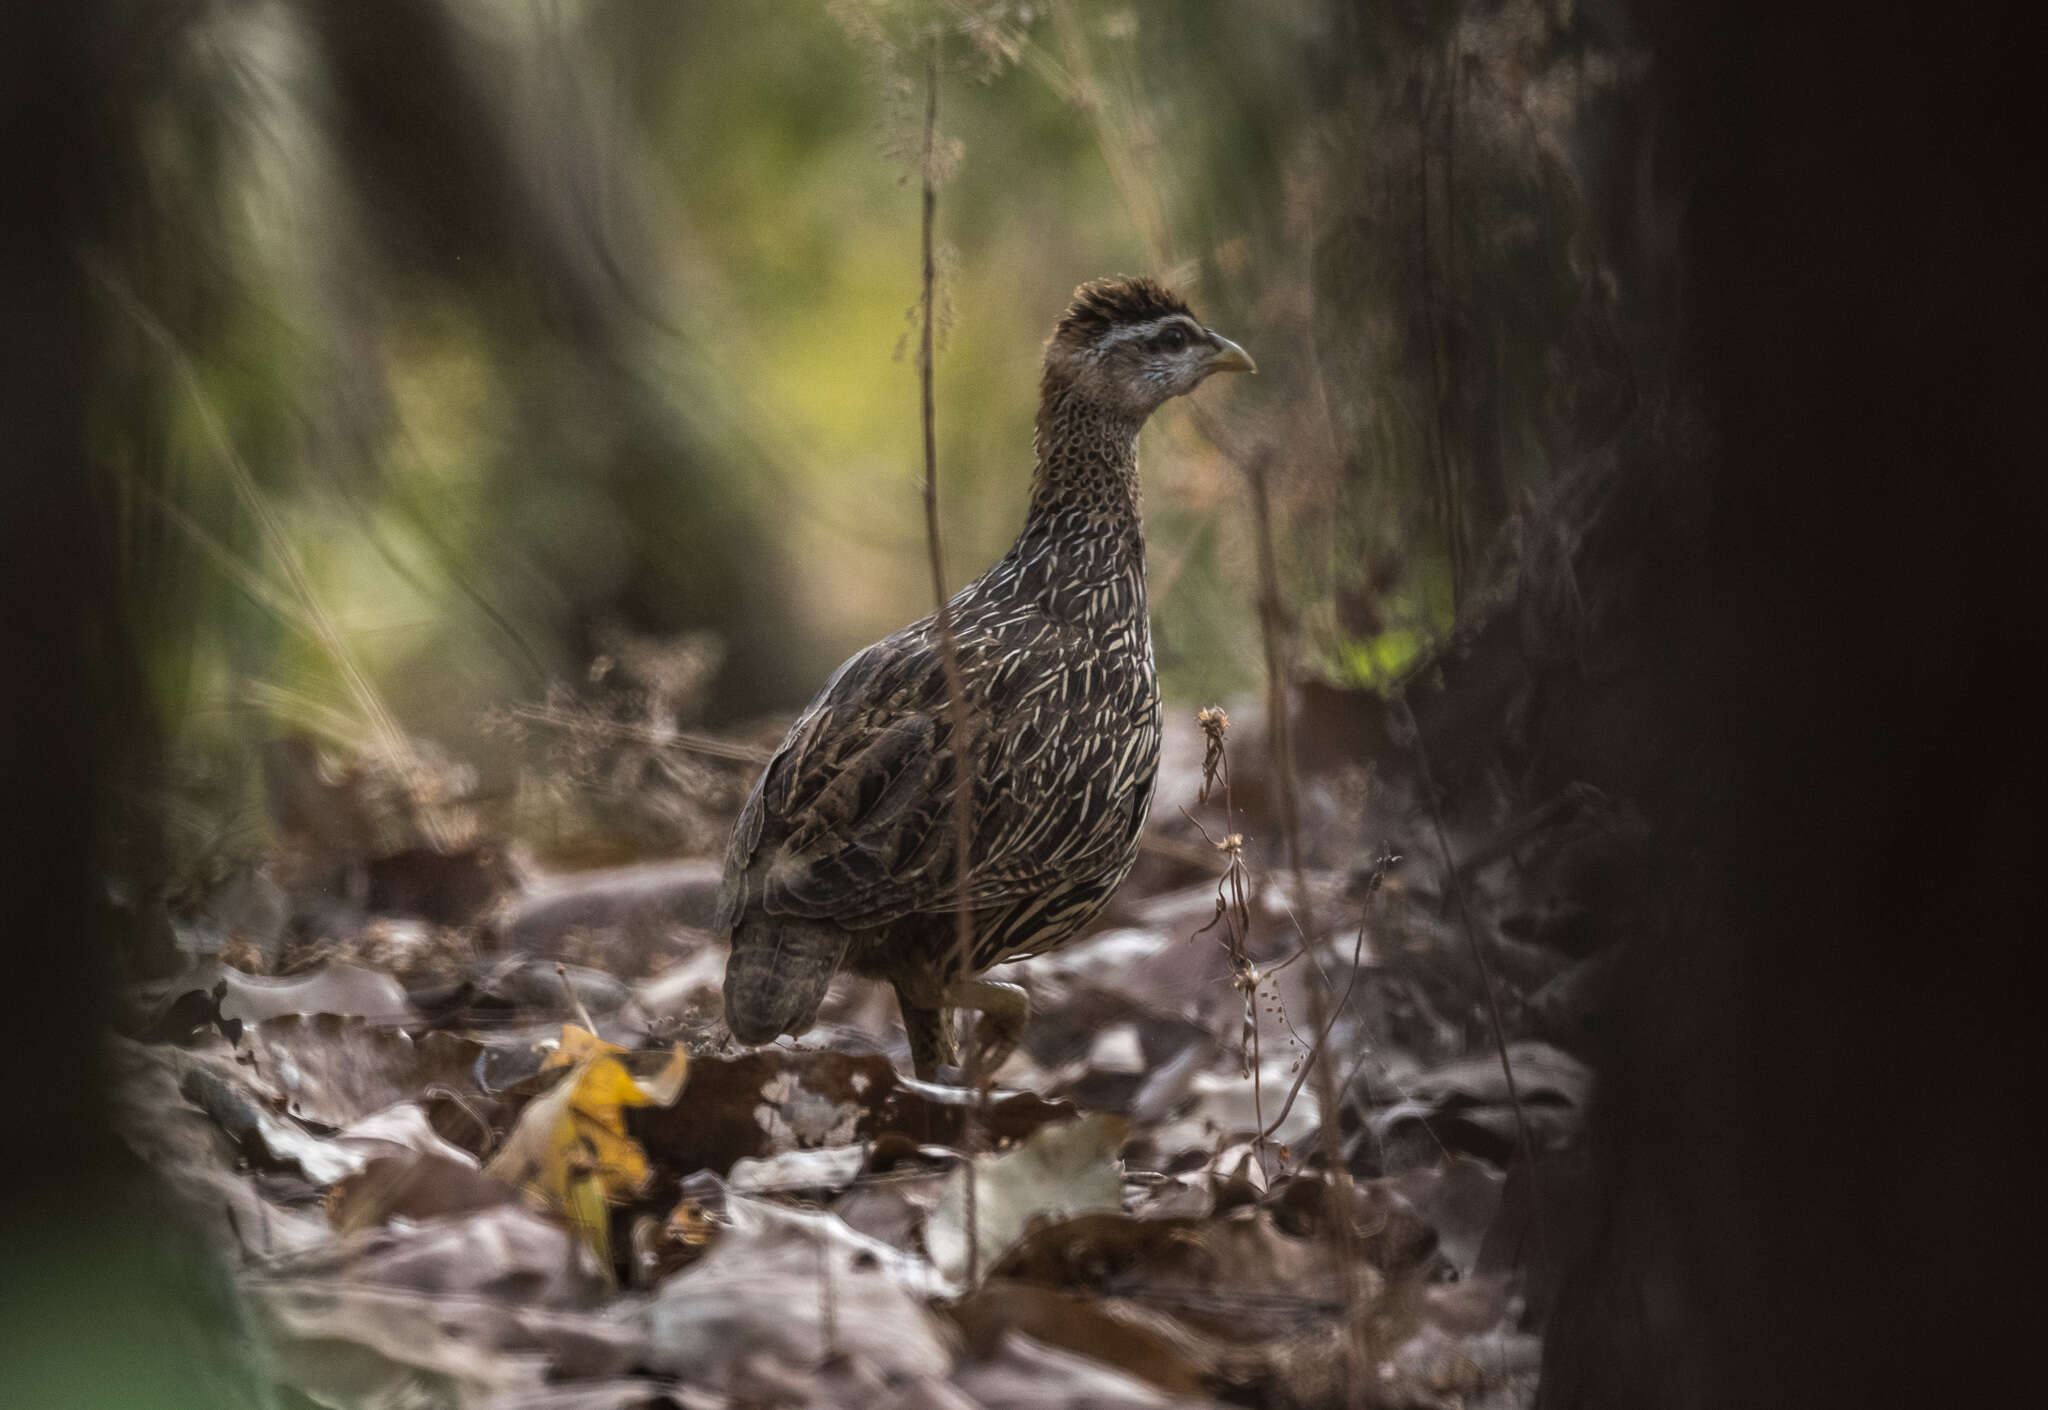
(413, 1185)
(1025, 1374)
(1240, 1279)
(1115, 1332)
(765, 1102)
(335, 1069)
(793, 1287)
(1061, 1170)
(335, 987)
(507, 1252)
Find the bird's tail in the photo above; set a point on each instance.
(778, 974)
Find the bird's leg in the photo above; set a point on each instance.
(1004, 1010)
(931, 1037)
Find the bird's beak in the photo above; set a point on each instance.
(1229, 357)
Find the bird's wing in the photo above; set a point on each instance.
(854, 817)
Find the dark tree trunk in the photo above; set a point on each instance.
(1813, 1192)
(64, 716)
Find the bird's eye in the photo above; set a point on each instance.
(1173, 340)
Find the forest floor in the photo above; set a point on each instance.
(466, 1129)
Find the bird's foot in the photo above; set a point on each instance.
(1004, 1009)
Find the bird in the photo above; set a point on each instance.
(845, 856)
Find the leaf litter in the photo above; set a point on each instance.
(518, 1163)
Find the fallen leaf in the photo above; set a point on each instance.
(267, 1141)
(624, 1393)
(187, 1151)
(1461, 1198)
(1543, 1073)
(413, 1186)
(1060, 1171)
(1026, 1375)
(763, 1103)
(1390, 1233)
(825, 1171)
(1242, 1279)
(688, 1225)
(569, 1151)
(335, 1069)
(336, 987)
(348, 1343)
(506, 1251)
(1219, 1108)
(584, 1204)
(794, 1286)
(661, 1247)
(1109, 1330)
(402, 1127)
(895, 1195)
(1464, 1106)
(345, 1345)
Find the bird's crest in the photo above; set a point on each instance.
(1103, 304)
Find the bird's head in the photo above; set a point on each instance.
(1127, 345)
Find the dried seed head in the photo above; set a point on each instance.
(1214, 724)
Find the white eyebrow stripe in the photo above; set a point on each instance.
(1139, 331)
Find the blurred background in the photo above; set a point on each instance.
(475, 368)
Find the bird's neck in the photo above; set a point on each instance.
(1087, 473)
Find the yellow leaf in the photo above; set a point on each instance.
(604, 1088)
(587, 1215)
(576, 1045)
(613, 1156)
(569, 1151)
(665, 1086)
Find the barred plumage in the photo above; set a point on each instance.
(845, 855)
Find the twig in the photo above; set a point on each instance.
(1379, 872)
(1359, 1357)
(949, 645)
(575, 1003)
(1457, 885)
(708, 745)
(1172, 848)
(1233, 908)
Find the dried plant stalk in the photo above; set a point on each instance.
(949, 645)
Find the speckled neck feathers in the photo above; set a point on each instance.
(1087, 461)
